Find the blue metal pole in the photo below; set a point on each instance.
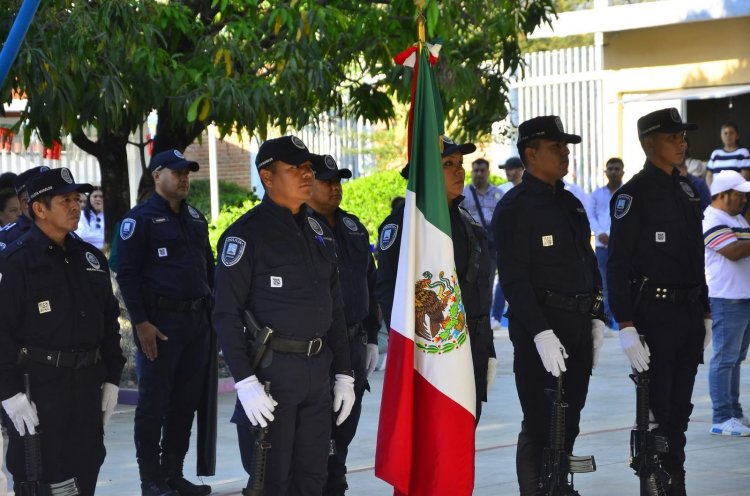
(16, 36)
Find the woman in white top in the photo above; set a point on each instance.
(732, 156)
(91, 224)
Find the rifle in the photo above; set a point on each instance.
(32, 448)
(557, 463)
(260, 457)
(645, 446)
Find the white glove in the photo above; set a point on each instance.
(551, 351)
(637, 353)
(257, 404)
(597, 340)
(708, 323)
(491, 373)
(22, 413)
(372, 358)
(109, 400)
(343, 397)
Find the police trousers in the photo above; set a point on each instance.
(69, 405)
(574, 332)
(674, 334)
(170, 388)
(300, 433)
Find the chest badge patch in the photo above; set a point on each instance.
(234, 247)
(661, 237)
(315, 226)
(687, 189)
(2, 246)
(388, 236)
(350, 224)
(622, 205)
(548, 240)
(276, 282)
(162, 252)
(93, 261)
(193, 213)
(44, 306)
(127, 228)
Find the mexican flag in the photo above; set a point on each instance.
(426, 431)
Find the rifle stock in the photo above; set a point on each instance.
(557, 464)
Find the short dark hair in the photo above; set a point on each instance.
(615, 160)
(5, 195)
(46, 200)
(533, 144)
(481, 161)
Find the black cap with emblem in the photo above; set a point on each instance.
(288, 149)
(55, 182)
(666, 120)
(449, 147)
(325, 168)
(23, 180)
(548, 127)
(171, 159)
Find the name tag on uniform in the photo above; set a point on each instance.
(276, 282)
(44, 306)
(547, 240)
(661, 237)
(162, 252)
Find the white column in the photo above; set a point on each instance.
(213, 174)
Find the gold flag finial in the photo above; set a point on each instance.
(421, 21)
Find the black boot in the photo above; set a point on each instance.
(336, 486)
(528, 461)
(152, 481)
(677, 483)
(172, 466)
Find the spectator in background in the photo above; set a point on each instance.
(91, 225)
(600, 220)
(695, 166)
(699, 184)
(513, 171)
(570, 184)
(10, 207)
(731, 156)
(726, 235)
(83, 200)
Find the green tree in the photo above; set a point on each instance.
(252, 65)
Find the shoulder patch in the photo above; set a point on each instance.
(388, 236)
(93, 261)
(687, 189)
(194, 213)
(350, 224)
(127, 228)
(315, 226)
(234, 247)
(622, 205)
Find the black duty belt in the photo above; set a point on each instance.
(309, 348)
(56, 358)
(656, 292)
(180, 305)
(581, 303)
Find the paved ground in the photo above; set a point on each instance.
(716, 466)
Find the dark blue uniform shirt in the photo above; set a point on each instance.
(55, 299)
(281, 267)
(11, 232)
(163, 254)
(657, 233)
(356, 272)
(543, 242)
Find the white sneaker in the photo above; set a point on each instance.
(732, 427)
(608, 332)
(745, 421)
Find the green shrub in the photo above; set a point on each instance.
(230, 195)
(369, 198)
(227, 215)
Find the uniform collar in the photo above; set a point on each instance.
(456, 202)
(160, 201)
(284, 212)
(536, 185)
(39, 242)
(658, 176)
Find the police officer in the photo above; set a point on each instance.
(278, 263)
(58, 325)
(550, 277)
(165, 273)
(472, 257)
(657, 282)
(357, 278)
(15, 230)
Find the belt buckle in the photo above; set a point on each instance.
(311, 344)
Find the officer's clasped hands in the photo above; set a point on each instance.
(551, 351)
(343, 396)
(147, 335)
(109, 400)
(597, 340)
(22, 413)
(258, 405)
(637, 353)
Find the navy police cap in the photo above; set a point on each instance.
(449, 147)
(288, 149)
(55, 182)
(326, 168)
(548, 127)
(23, 180)
(171, 159)
(666, 120)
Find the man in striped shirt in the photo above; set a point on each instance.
(726, 235)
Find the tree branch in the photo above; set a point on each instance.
(84, 143)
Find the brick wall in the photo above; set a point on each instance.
(232, 157)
